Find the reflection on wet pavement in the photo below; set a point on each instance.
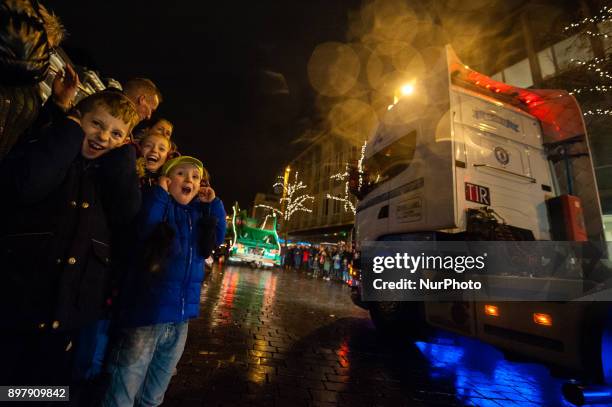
(281, 338)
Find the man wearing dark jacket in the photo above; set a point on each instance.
(64, 191)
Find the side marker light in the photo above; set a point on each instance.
(491, 310)
(542, 319)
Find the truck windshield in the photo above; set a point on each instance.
(390, 160)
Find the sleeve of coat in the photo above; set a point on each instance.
(218, 211)
(121, 195)
(38, 166)
(155, 204)
(49, 114)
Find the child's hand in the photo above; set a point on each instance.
(164, 182)
(65, 87)
(206, 194)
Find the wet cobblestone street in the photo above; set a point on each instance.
(281, 338)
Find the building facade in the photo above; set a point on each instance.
(322, 167)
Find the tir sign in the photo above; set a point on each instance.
(477, 193)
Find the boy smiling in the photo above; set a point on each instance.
(103, 132)
(69, 187)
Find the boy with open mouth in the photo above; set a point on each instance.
(179, 225)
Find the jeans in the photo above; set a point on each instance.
(141, 364)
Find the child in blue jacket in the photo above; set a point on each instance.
(179, 224)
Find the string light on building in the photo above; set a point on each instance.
(598, 112)
(360, 163)
(348, 205)
(292, 198)
(591, 94)
(344, 176)
(340, 176)
(604, 14)
(596, 34)
(595, 89)
(593, 66)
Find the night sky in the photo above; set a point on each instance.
(234, 74)
(210, 61)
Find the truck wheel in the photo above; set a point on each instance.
(398, 319)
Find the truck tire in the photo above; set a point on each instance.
(398, 319)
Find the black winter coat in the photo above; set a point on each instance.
(59, 210)
(22, 117)
(19, 107)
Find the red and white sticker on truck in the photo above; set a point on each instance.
(477, 193)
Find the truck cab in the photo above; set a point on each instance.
(253, 244)
(463, 157)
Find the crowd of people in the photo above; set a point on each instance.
(104, 233)
(328, 262)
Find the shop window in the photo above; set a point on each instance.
(575, 47)
(519, 74)
(547, 62)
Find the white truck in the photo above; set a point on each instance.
(460, 151)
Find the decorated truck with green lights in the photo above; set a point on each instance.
(461, 157)
(253, 244)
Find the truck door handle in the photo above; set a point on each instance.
(532, 180)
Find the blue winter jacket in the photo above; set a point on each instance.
(173, 293)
